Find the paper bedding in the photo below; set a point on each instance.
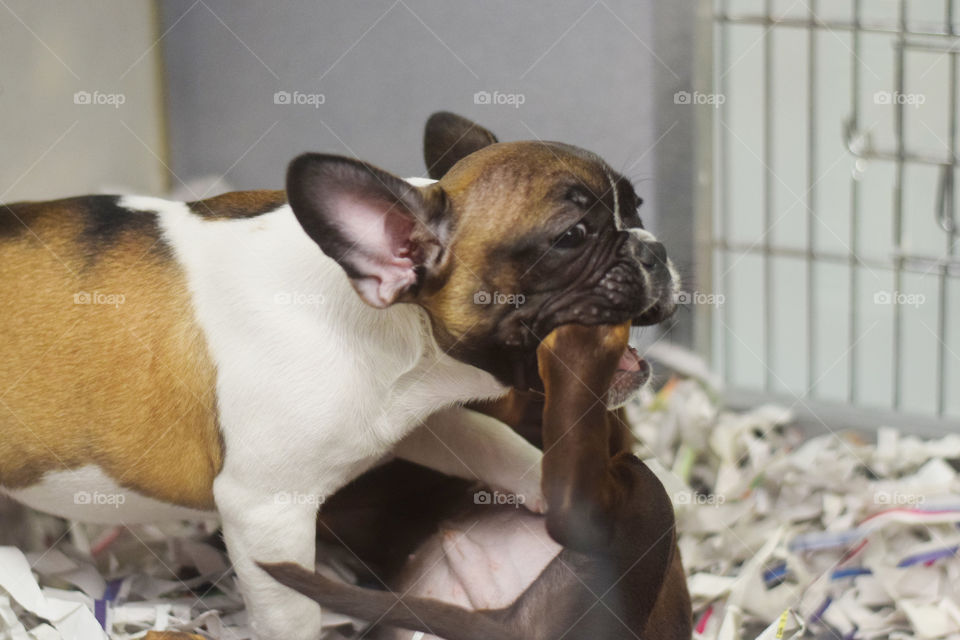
(782, 537)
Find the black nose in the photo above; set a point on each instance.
(652, 255)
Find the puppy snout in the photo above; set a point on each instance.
(652, 255)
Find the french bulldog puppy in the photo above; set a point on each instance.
(247, 355)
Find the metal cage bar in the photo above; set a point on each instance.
(855, 84)
(768, 201)
(810, 257)
(905, 37)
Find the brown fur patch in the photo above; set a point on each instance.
(238, 204)
(103, 362)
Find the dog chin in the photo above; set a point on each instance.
(631, 376)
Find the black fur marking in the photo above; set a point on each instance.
(629, 203)
(105, 224)
(13, 218)
(105, 221)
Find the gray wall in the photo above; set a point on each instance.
(585, 71)
(54, 146)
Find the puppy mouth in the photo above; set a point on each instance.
(632, 373)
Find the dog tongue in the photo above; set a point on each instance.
(630, 360)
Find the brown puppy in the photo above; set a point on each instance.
(618, 576)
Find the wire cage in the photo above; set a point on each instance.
(834, 246)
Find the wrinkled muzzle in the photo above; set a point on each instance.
(636, 283)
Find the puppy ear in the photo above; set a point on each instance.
(383, 231)
(448, 138)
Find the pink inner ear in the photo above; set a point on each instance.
(381, 252)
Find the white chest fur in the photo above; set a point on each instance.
(308, 377)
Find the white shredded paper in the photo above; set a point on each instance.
(782, 537)
(824, 537)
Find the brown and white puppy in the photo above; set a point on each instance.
(246, 357)
(494, 572)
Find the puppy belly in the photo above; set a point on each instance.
(88, 494)
(483, 561)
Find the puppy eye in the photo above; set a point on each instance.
(572, 237)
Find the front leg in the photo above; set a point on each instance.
(467, 444)
(614, 508)
(576, 364)
(268, 526)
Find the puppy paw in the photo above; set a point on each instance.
(536, 503)
(529, 496)
(530, 493)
